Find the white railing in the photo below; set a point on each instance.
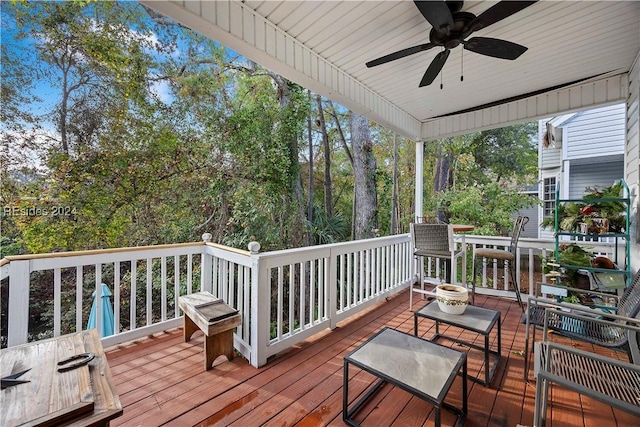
(313, 288)
(284, 296)
(145, 283)
(309, 289)
(529, 250)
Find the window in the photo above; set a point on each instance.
(549, 196)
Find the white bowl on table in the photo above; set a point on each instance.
(452, 299)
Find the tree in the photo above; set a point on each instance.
(328, 194)
(485, 172)
(364, 171)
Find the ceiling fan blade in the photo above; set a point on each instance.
(498, 12)
(437, 13)
(494, 47)
(399, 54)
(434, 68)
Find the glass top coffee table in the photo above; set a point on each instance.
(476, 319)
(422, 368)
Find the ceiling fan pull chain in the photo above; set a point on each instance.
(441, 85)
(462, 65)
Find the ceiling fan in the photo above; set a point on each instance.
(451, 27)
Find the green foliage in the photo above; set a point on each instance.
(572, 214)
(328, 230)
(488, 170)
(489, 207)
(219, 153)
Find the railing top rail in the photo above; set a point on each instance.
(336, 247)
(97, 251)
(227, 248)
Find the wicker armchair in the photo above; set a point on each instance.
(433, 241)
(605, 334)
(608, 380)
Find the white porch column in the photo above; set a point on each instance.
(632, 160)
(419, 176)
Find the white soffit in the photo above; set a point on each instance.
(579, 52)
(241, 29)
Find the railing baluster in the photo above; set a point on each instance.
(163, 290)
(57, 290)
(312, 292)
(292, 273)
(98, 297)
(134, 292)
(116, 297)
(176, 285)
(303, 292)
(149, 291)
(189, 274)
(79, 289)
(279, 302)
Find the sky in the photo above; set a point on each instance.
(26, 51)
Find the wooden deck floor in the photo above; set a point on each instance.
(161, 381)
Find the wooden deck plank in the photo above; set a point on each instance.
(161, 381)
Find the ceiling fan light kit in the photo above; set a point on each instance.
(451, 27)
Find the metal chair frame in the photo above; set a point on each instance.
(509, 256)
(614, 382)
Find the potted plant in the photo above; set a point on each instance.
(592, 216)
(569, 254)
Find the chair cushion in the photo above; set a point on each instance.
(432, 253)
(494, 253)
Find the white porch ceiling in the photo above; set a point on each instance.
(324, 46)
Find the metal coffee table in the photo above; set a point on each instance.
(475, 319)
(422, 368)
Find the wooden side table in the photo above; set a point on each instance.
(215, 319)
(85, 396)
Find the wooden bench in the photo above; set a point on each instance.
(215, 319)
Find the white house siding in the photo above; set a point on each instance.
(583, 176)
(597, 132)
(632, 157)
(531, 229)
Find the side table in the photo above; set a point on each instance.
(422, 368)
(475, 319)
(215, 319)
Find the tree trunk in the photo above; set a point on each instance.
(364, 171)
(443, 178)
(310, 137)
(328, 197)
(394, 195)
(296, 228)
(62, 123)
